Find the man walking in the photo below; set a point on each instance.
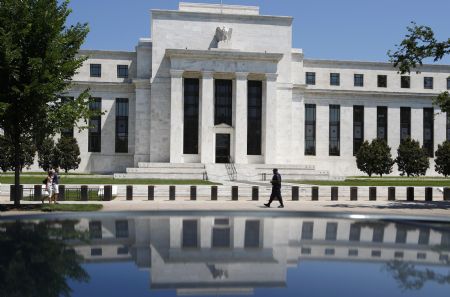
(276, 189)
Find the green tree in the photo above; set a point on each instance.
(67, 154)
(419, 44)
(374, 157)
(26, 153)
(38, 58)
(411, 158)
(442, 160)
(46, 154)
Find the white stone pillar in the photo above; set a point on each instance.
(142, 122)
(176, 116)
(240, 124)
(207, 118)
(270, 122)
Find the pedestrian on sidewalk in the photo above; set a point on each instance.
(55, 185)
(276, 189)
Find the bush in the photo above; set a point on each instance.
(46, 152)
(442, 160)
(411, 158)
(7, 153)
(374, 157)
(67, 154)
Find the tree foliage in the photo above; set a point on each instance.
(26, 154)
(38, 58)
(46, 154)
(67, 154)
(442, 160)
(374, 157)
(411, 158)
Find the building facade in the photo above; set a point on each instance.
(222, 84)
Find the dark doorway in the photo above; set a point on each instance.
(222, 148)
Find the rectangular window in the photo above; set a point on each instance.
(190, 234)
(358, 127)
(331, 231)
(378, 234)
(400, 237)
(96, 70)
(358, 80)
(122, 71)
(448, 126)
(355, 232)
(428, 130)
(310, 129)
(334, 79)
(310, 78)
(448, 83)
(121, 125)
(252, 232)
(307, 230)
(95, 127)
(382, 81)
(66, 132)
(223, 111)
(405, 82)
(424, 236)
(95, 230)
(382, 121)
(122, 229)
(254, 117)
(428, 83)
(405, 122)
(334, 130)
(191, 115)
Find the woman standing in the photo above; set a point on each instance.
(48, 187)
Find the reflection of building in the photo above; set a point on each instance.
(236, 254)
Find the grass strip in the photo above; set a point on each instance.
(51, 207)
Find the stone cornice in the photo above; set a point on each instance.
(363, 93)
(223, 55)
(129, 87)
(210, 16)
(106, 52)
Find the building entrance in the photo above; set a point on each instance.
(222, 148)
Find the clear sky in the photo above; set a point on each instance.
(325, 29)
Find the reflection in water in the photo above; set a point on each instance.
(226, 254)
(35, 259)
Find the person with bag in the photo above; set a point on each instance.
(55, 185)
(48, 181)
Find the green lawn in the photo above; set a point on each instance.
(412, 182)
(51, 207)
(78, 180)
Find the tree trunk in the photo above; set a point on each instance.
(17, 193)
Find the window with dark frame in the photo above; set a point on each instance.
(358, 127)
(448, 126)
(307, 231)
(310, 78)
(190, 234)
(355, 232)
(223, 107)
(191, 115)
(358, 80)
(310, 129)
(428, 130)
(405, 123)
(122, 71)
(95, 127)
(382, 122)
(67, 132)
(334, 130)
(122, 125)
(122, 229)
(405, 82)
(428, 83)
(331, 231)
(252, 234)
(382, 81)
(96, 70)
(448, 83)
(254, 117)
(335, 79)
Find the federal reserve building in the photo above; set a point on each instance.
(219, 87)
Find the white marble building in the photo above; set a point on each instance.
(215, 82)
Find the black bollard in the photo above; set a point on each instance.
(428, 194)
(334, 193)
(171, 192)
(391, 193)
(129, 192)
(255, 193)
(107, 193)
(38, 192)
(372, 193)
(353, 193)
(410, 193)
(314, 193)
(62, 193)
(234, 193)
(213, 192)
(84, 193)
(193, 193)
(446, 193)
(295, 195)
(151, 192)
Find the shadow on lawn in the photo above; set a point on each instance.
(399, 205)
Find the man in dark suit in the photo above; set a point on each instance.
(276, 189)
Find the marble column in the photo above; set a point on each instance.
(240, 124)
(207, 118)
(270, 121)
(176, 116)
